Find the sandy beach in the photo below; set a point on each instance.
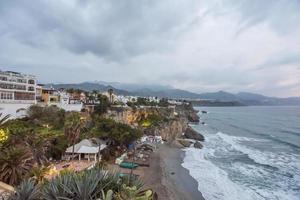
(168, 178)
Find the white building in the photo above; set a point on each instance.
(17, 88)
(86, 149)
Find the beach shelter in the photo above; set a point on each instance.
(87, 149)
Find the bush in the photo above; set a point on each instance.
(51, 116)
(118, 132)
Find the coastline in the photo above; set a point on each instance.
(168, 177)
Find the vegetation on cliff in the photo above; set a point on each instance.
(46, 132)
(143, 101)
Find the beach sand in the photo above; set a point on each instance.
(168, 178)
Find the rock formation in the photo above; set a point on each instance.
(192, 134)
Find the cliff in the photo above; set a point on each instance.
(169, 122)
(187, 111)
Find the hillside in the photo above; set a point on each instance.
(241, 98)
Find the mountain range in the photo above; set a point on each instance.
(244, 98)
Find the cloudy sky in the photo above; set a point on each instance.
(199, 45)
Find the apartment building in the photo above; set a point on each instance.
(17, 88)
(50, 96)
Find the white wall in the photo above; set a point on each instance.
(71, 107)
(11, 109)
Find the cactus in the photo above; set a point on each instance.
(108, 195)
(132, 193)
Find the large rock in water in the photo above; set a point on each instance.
(193, 117)
(198, 145)
(192, 134)
(184, 143)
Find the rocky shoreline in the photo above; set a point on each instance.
(165, 174)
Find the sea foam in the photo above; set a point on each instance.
(254, 181)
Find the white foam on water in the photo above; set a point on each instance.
(281, 160)
(215, 184)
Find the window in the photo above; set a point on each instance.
(3, 78)
(30, 81)
(21, 80)
(6, 95)
(24, 96)
(30, 88)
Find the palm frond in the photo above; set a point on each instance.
(4, 119)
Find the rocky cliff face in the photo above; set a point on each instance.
(168, 130)
(132, 116)
(174, 126)
(187, 111)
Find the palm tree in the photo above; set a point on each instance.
(38, 147)
(3, 119)
(73, 125)
(15, 163)
(110, 92)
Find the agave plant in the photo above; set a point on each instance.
(89, 184)
(59, 187)
(27, 190)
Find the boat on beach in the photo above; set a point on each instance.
(128, 165)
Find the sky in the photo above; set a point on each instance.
(197, 45)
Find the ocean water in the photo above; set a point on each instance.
(249, 153)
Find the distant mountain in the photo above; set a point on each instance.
(220, 96)
(257, 99)
(133, 87)
(89, 87)
(169, 93)
(241, 98)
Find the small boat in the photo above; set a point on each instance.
(204, 112)
(128, 165)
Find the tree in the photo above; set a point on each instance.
(50, 116)
(22, 133)
(73, 126)
(110, 92)
(38, 146)
(121, 134)
(15, 163)
(103, 105)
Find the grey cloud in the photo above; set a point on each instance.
(281, 15)
(110, 29)
(204, 45)
(280, 60)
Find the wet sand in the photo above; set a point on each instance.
(168, 178)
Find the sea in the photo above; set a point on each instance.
(249, 153)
